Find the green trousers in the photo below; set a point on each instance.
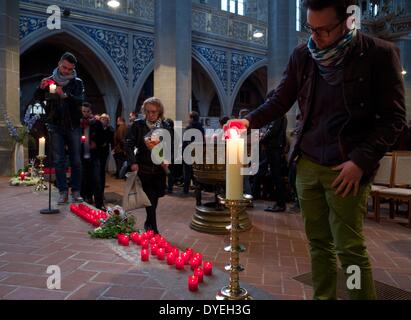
(334, 228)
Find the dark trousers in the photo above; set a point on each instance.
(103, 163)
(119, 158)
(90, 182)
(276, 161)
(188, 175)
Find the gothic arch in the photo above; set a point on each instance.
(247, 73)
(222, 96)
(140, 83)
(67, 28)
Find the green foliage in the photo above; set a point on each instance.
(113, 226)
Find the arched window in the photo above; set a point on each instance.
(233, 6)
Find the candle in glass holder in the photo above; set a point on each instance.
(22, 176)
(208, 268)
(185, 257)
(175, 251)
(179, 263)
(171, 259)
(199, 273)
(193, 283)
(199, 257)
(144, 255)
(154, 249)
(153, 241)
(190, 252)
(52, 88)
(42, 147)
(144, 244)
(161, 253)
(194, 263)
(135, 237)
(167, 247)
(150, 234)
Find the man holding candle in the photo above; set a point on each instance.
(63, 118)
(351, 96)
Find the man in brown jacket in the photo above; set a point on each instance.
(351, 96)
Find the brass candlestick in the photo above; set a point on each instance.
(41, 186)
(233, 291)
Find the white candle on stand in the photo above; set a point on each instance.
(53, 88)
(234, 179)
(42, 147)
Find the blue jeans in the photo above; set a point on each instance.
(60, 139)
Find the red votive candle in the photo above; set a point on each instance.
(179, 263)
(193, 283)
(194, 263)
(190, 252)
(135, 237)
(208, 268)
(150, 234)
(167, 247)
(199, 257)
(171, 259)
(144, 244)
(154, 250)
(161, 253)
(144, 255)
(199, 273)
(175, 251)
(185, 257)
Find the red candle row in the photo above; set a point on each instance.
(158, 246)
(88, 214)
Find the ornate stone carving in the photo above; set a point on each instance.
(114, 43)
(240, 63)
(30, 24)
(218, 61)
(143, 54)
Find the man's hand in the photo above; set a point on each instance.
(134, 167)
(59, 91)
(244, 122)
(45, 83)
(349, 178)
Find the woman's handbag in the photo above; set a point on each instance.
(134, 195)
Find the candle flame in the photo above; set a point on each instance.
(233, 133)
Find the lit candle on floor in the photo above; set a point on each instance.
(179, 263)
(193, 283)
(171, 259)
(161, 253)
(52, 88)
(208, 268)
(144, 255)
(199, 273)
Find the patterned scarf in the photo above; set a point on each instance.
(61, 80)
(330, 60)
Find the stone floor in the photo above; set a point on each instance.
(277, 251)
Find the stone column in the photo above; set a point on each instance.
(9, 78)
(172, 55)
(282, 38)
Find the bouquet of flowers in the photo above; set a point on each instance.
(19, 133)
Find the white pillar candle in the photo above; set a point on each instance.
(53, 88)
(234, 179)
(42, 147)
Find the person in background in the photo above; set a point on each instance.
(194, 123)
(91, 151)
(350, 119)
(108, 142)
(274, 142)
(152, 176)
(63, 122)
(119, 152)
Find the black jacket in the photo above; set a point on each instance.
(135, 139)
(65, 113)
(374, 99)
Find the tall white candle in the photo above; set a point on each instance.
(234, 179)
(42, 147)
(53, 88)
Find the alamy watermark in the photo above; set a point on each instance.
(54, 281)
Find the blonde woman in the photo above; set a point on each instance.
(152, 176)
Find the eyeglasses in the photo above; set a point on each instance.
(322, 32)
